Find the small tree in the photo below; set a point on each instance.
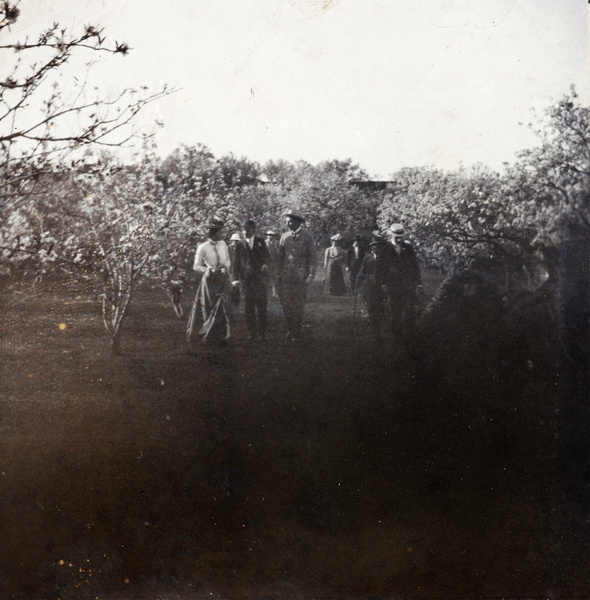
(126, 220)
(109, 224)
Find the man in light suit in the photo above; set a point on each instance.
(297, 267)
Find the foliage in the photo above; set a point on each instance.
(201, 186)
(557, 172)
(324, 194)
(456, 216)
(143, 218)
(43, 117)
(106, 221)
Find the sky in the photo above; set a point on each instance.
(386, 83)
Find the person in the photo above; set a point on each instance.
(212, 261)
(354, 260)
(406, 282)
(235, 242)
(297, 268)
(333, 265)
(374, 282)
(272, 243)
(252, 269)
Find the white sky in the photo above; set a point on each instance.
(388, 83)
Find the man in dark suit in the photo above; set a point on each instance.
(272, 243)
(406, 282)
(374, 282)
(354, 261)
(252, 269)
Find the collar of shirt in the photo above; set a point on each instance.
(250, 242)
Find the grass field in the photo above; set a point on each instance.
(341, 468)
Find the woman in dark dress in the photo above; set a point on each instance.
(334, 263)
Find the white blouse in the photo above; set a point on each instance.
(211, 254)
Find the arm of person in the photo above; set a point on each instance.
(265, 256)
(224, 259)
(200, 264)
(281, 255)
(235, 272)
(416, 276)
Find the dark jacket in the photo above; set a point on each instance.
(250, 262)
(404, 267)
(375, 271)
(353, 262)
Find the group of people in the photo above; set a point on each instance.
(386, 273)
(259, 267)
(389, 277)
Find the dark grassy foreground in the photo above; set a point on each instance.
(338, 469)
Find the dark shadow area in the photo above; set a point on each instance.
(339, 467)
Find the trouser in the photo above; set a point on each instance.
(255, 304)
(272, 286)
(375, 297)
(293, 296)
(402, 304)
(354, 271)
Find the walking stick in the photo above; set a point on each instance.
(210, 322)
(193, 314)
(191, 318)
(354, 327)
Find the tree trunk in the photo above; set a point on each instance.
(116, 343)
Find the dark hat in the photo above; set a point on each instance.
(295, 215)
(377, 240)
(215, 224)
